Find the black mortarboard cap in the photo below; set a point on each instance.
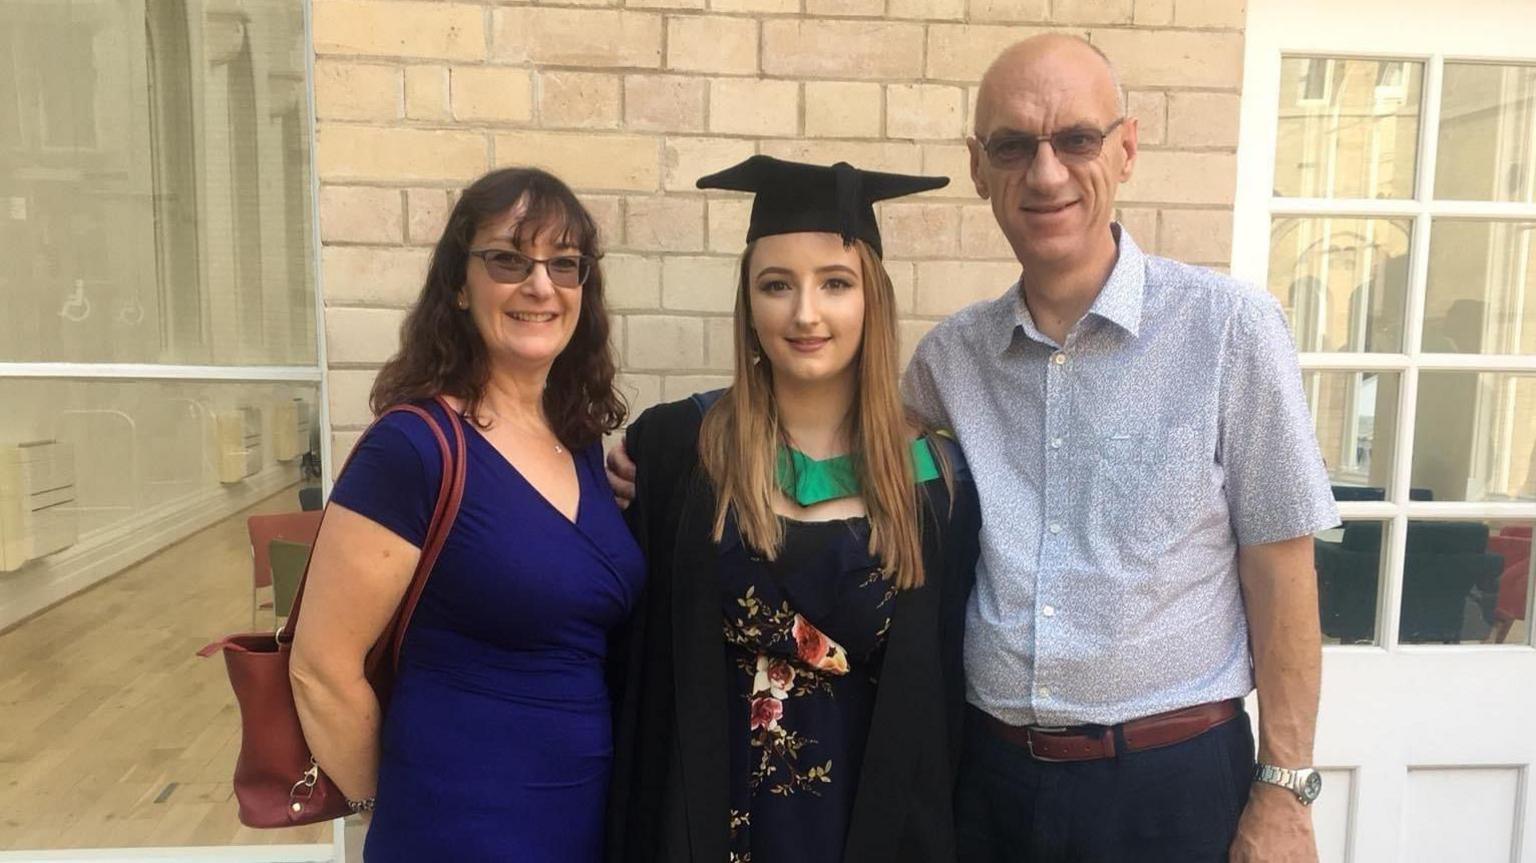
(794, 196)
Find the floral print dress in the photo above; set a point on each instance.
(804, 639)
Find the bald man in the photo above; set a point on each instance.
(1150, 482)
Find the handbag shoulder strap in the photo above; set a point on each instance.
(450, 494)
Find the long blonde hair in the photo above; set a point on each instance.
(740, 438)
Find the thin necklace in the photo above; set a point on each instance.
(499, 418)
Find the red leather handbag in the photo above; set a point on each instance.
(277, 782)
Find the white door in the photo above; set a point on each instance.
(1387, 197)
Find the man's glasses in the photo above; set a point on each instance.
(1077, 144)
(511, 268)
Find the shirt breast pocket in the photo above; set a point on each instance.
(1153, 482)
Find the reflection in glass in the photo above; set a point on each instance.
(1487, 148)
(1466, 582)
(154, 189)
(1355, 415)
(1475, 436)
(1481, 294)
(1347, 128)
(1343, 282)
(1348, 560)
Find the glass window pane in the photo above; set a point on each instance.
(1347, 128)
(1356, 418)
(1481, 294)
(1475, 436)
(1466, 582)
(1348, 559)
(1487, 149)
(1343, 282)
(155, 198)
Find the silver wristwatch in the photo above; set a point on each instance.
(1304, 782)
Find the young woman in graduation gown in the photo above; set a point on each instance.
(791, 688)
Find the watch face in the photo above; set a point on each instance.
(1312, 785)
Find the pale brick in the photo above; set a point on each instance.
(945, 287)
(426, 92)
(342, 443)
(1163, 177)
(867, 50)
(711, 43)
(920, 230)
(348, 390)
(372, 276)
(641, 392)
(1153, 13)
(952, 161)
(927, 10)
(720, 343)
(980, 237)
(771, 7)
(1173, 58)
(961, 52)
(362, 336)
(665, 4)
(1151, 112)
(699, 284)
(687, 159)
(357, 91)
(674, 387)
(903, 284)
(663, 342)
(1070, 12)
(491, 93)
(728, 222)
(1142, 226)
(626, 162)
(840, 109)
(426, 214)
(608, 213)
(1230, 14)
(908, 334)
(584, 100)
(396, 28)
(893, 156)
(1196, 236)
(1027, 11)
(369, 153)
(1202, 119)
(576, 37)
(359, 214)
(665, 103)
(846, 8)
(632, 282)
(751, 106)
(924, 111)
(664, 224)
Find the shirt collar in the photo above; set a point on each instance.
(1119, 301)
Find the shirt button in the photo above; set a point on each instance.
(1045, 692)
(1049, 611)
(1059, 358)
(1054, 528)
(1055, 443)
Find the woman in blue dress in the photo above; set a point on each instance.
(496, 742)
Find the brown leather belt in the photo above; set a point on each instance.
(1092, 742)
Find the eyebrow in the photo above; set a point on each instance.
(1009, 131)
(830, 268)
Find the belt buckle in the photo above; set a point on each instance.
(1029, 740)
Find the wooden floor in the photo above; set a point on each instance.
(112, 732)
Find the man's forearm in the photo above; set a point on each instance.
(1280, 596)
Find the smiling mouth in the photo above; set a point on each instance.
(1048, 209)
(532, 317)
(807, 345)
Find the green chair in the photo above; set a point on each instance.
(288, 562)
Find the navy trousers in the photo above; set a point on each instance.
(1176, 804)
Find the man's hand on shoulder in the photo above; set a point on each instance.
(621, 475)
(1275, 828)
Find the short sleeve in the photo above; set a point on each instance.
(919, 389)
(387, 479)
(1276, 483)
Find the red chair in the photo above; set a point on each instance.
(301, 527)
(1514, 543)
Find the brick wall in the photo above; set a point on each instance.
(629, 104)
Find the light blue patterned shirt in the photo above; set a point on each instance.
(1118, 474)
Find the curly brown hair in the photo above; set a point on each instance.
(441, 351)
